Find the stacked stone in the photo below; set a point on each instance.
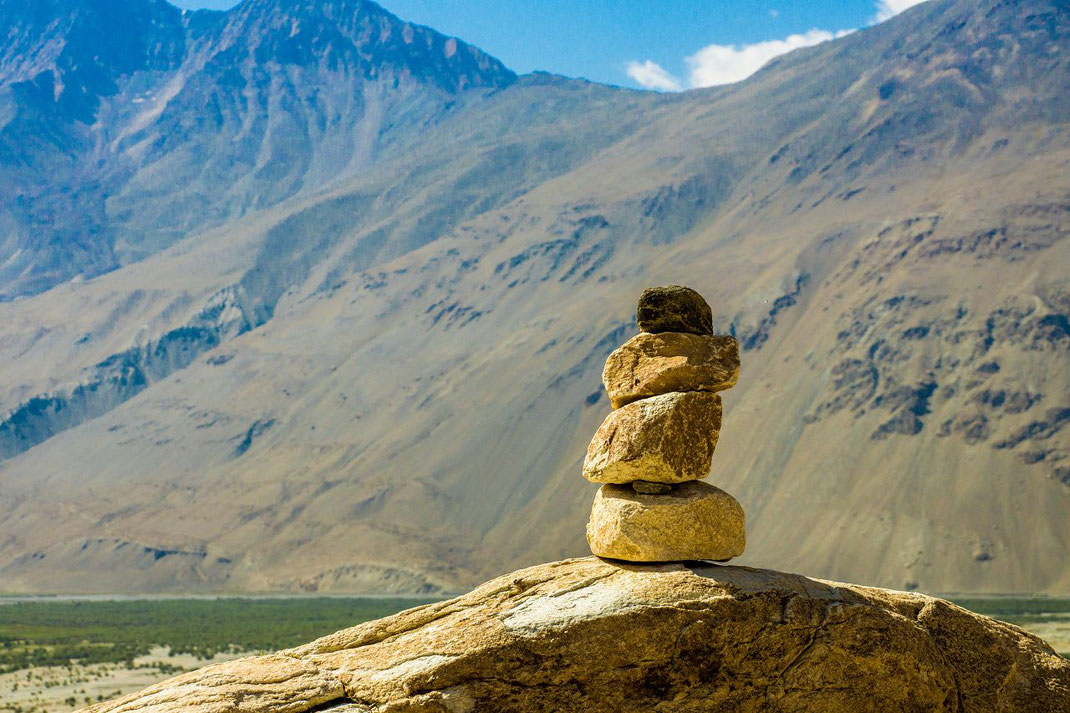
(657, 445)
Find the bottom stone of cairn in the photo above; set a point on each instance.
(696, 521)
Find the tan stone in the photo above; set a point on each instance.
(696, 521)
(595, 636)
(652, 364)
(663, 439)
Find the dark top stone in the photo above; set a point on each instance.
(674, 308)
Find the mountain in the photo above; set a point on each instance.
(383, 376)
(126, 126)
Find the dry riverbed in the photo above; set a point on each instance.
(54, 689)
(1055, 630)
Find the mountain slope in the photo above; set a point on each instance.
(405, 365)
(186, 120)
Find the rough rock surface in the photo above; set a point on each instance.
(696, 521)
(652, 364)
(674, 308)
(662, 439)
(590, 635)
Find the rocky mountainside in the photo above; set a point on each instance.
(587, 635)
(386, 379)
(126, 126)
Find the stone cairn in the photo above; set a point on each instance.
(655, 447)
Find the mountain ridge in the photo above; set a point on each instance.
(424, 339)
(202, 105)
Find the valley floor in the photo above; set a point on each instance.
(50, 689)
(61, 654)
(1056, 631)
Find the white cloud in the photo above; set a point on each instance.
(651, 75)
(724, 64)
(890, 8)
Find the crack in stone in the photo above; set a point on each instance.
(812, 640)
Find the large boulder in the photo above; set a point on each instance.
(694, 521)
(590, 635)
(652, 364)
(663, 439)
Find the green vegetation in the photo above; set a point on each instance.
(1020, 611)
(57, 633)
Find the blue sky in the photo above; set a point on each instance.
(658, 45)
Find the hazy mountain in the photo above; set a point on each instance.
(363, 351)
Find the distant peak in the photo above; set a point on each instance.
(303, 31)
